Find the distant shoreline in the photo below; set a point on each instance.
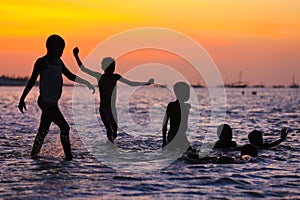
(22, 81)
(11, 81)
(19, 81)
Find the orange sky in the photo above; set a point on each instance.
(259, 38)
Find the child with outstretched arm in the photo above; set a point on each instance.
(107, 88)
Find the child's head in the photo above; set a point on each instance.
(55, 45)
(250, 150)
(224, 132)
(255, 138)
(108, 65)
(182, 91)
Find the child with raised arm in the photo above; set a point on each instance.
(256, 138)
(50, 69)
(177, 113)
(107, 89)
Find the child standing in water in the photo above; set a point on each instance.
(107, 88)
(177, 112)
(50, 69)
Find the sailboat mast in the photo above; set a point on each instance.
(293, 78)
(240, 77)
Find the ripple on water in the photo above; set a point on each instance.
(274, 175)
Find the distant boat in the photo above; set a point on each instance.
(239, 84)
(258, 86)
(198, 85)
(236, 85)
(278, 86)
(294, 85)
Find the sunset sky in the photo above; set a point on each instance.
(261, 38)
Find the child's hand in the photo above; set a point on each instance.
(150, 81)
(21, 106)
(284, 132)
(91, 87)
(76, 51)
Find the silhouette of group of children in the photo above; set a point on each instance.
(50, 69)
(248, 151)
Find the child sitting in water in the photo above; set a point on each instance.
(177, 112)
(256, 138)
(248, 153)
(224, 132)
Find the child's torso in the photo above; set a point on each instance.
(51, 81)
(178, 118)
(107, 88)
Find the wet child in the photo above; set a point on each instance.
(50, 69)
(256, 138)
(224, 133)
(107, 88)
(248, 152)
(177, 113)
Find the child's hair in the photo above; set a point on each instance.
(181, 90)
(255, 137)
(55, 41)
(108, 65)
(249, 149)
(224, 132)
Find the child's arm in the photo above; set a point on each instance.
(164, 129)
(97, 75)
(136, 83)
(76, 79)
(277, 142)
(35, 73)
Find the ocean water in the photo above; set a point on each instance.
(92, 175)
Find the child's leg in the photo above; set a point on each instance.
(106, 121)
(115, 129)
(42, 132)
(114, 123)
(64, 127)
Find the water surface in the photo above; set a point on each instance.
(275, 174)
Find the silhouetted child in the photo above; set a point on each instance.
(107, 88)
(248, 152)
(50, 69)
(177, 113)
(224, 132)
(256, 138)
